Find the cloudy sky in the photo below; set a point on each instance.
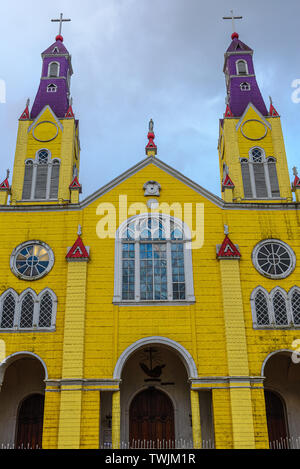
(139, 59)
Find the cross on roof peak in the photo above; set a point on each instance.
(232, 18)
(61, 20)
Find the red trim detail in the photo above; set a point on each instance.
(4, 186)
(234, 36)
(70, 112)
(228, 182)
(228, 112)
(273, 111)
(78, 250)
(228, 249)
(151, 145)
(296, 182)
(59, 38)
(75, 185)
(25, 114)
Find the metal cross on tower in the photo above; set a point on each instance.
(61, 20)
(232, 18)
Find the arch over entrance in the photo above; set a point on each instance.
(23, 376)
(184, 355)
(151, 420)
(282, 397)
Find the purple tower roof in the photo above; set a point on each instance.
(54, 88)
(242, 87)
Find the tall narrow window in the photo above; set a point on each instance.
(280, 309)
(8, 312)
(46, 307)
(54, 183)
(27, 187)
(246, 178)
(27, 310)
(295, 302)
(41, 179)
(261, 309)
(241, 67)
(53, 70)
(259, 175)
(41, 175)
(273, 177)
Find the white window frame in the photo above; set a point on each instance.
(15, 253)
(53, 88)
(265, 162)
(58, 69)
(50, 164)
(269, 298)
(36, 312)
(188, 265)
(245, 83)
(286, 246)
(237, 68)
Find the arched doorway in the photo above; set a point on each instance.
(276, 419)
(151, 420)
(30, 422)
(21, 400)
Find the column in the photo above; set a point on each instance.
(116, 420)
(196, 423)
(236, 346)
(73, 348)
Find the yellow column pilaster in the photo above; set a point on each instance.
(237, 355)
(90, 420)
(222, 419)
(73, 357)
(51, 418)
(4, 197)
(196, 423)
(116, 420)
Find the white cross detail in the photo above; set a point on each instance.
(60, 21)
(232, 18)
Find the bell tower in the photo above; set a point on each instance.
(252, 157)
(47, 157)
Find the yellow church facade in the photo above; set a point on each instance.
(152, 313)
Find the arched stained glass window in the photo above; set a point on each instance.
(27, 311)
(154, 261)
(8, 312)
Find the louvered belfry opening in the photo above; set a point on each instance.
(41, 178)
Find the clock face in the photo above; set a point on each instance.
(152, 188)
(32, 260)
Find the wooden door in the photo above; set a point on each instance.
(151, 420)
(30, 422)
(276, 419)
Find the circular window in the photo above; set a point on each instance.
(32, 260)
(274, 259)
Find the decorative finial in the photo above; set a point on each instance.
(27, 102)
(295, 171)
(232, 18)
(61, 20)
(7, 173)
(271, 101)
(75, 171)
(151, 148)
(225, 170)
(79, 230)
(71, 101)
(226, 230)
